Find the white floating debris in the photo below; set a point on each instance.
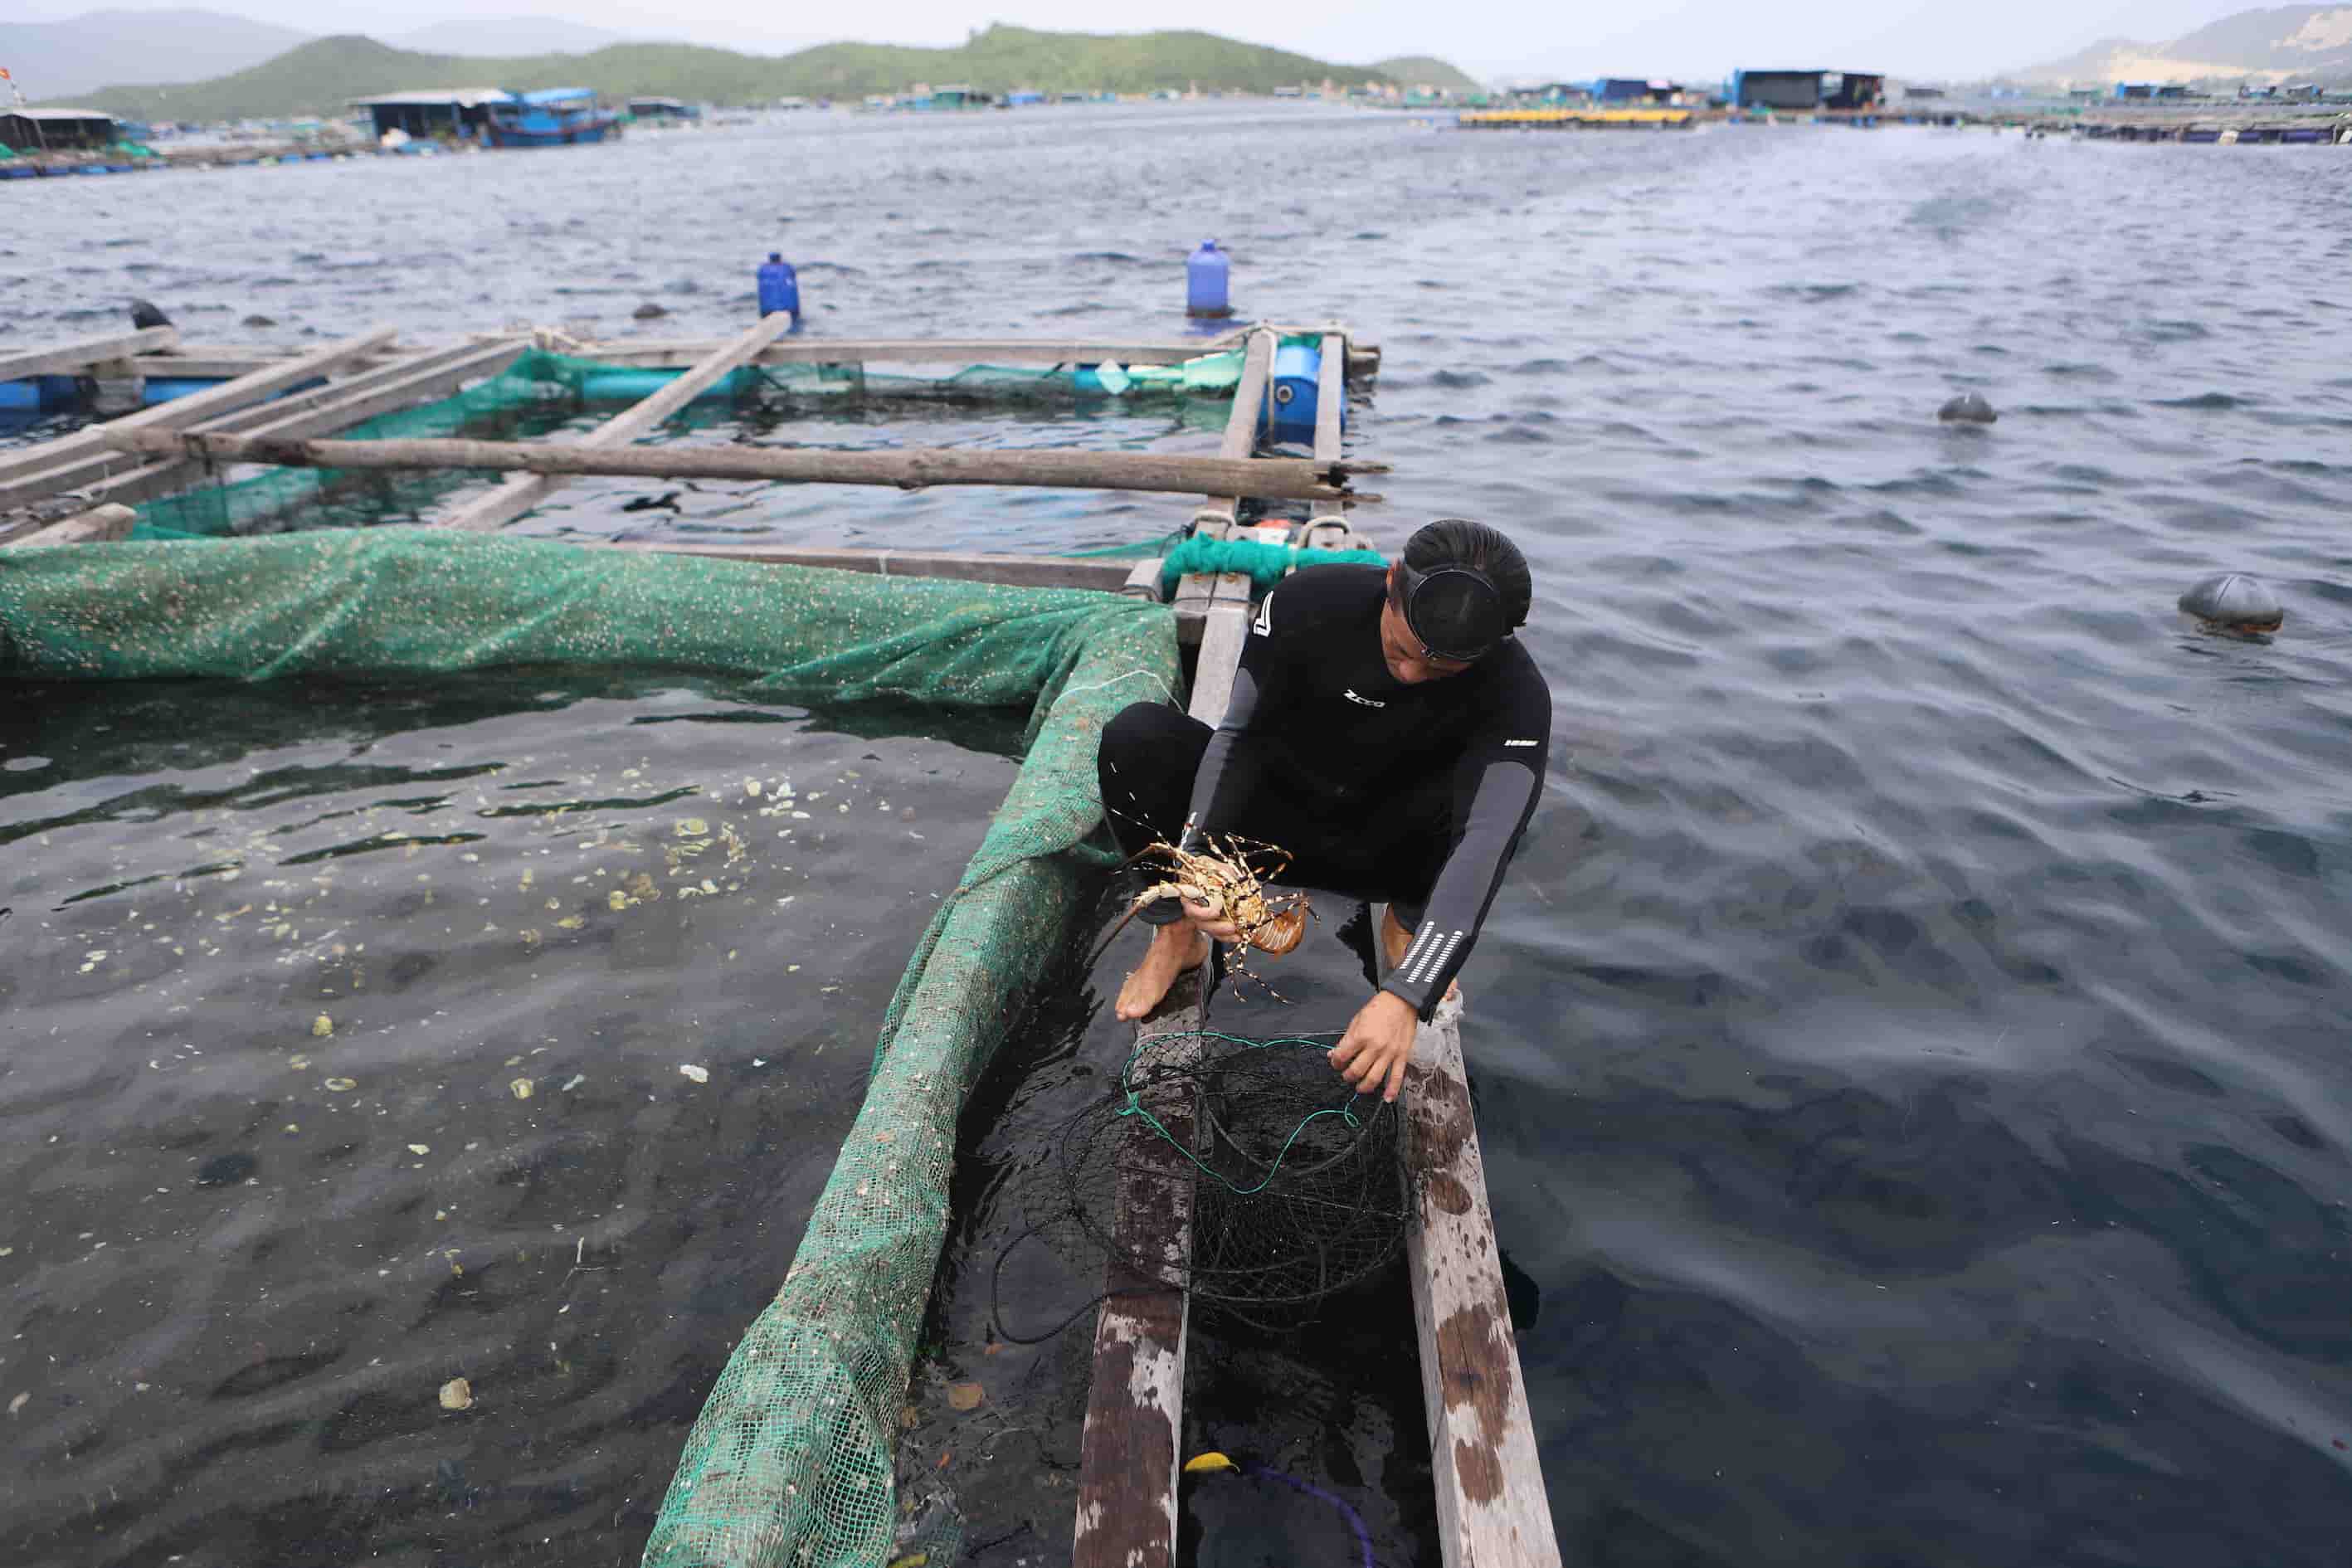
(420, 1149)
(573, 1082)
(340, 1085)
(456, 1395)
(321, 1026)
(521, 1087)
(700, 1075)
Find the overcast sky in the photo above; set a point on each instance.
(1698, 38)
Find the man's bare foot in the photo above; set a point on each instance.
(1174, 949)
(1395, 939)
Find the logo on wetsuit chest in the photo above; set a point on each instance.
(1361, 702)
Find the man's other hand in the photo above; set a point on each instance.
(1378, 1043)
(1208, 921)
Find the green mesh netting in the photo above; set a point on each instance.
(791, 1461)
(1266, 563)
(541, 389)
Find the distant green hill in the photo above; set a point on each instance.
(322, 76)
(1424, 70)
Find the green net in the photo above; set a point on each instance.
(791, 1460)
(541, 391)
(1266, 563)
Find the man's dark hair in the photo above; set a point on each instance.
(1458, 541)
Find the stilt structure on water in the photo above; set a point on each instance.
(277, 410)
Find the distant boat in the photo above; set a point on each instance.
(558, 117)
(658, 112)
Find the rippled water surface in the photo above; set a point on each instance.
(1911, 1048)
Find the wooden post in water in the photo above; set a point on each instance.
(518, 496)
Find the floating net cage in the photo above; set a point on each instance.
(791, 1460)
(1293, 1184)
(540, 391)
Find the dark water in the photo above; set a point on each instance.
(1910, 1048)
(275, 993)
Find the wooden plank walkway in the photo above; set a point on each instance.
(386, 388)
(1492, 1509)
(1019, 570)
(93, 527)
(1127, 1463)
(671, 355)
(37, 471)
(86, 353)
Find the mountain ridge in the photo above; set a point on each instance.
(2267, 44)
(59, 60)
(323, 75)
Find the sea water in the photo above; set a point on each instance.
(411, 1092)
(1910, 1046)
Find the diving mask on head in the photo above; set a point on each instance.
(1453, 611)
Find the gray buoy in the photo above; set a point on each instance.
(143, 315)
(1967, 408)
(648, 311)
(2236, 602)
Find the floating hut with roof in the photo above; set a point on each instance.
(58, 129)
(1807, 90)
(432, 111)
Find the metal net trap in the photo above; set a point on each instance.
(1292, 1183)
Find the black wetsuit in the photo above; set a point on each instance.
(1416, 794)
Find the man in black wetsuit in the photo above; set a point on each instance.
(1389, 731)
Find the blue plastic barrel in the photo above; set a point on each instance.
(1206, 277)
(780, 287)
(40, 395)
(1289, 414)
(163, 388)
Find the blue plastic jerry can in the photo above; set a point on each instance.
(1206, 277)
(1291, 395)
(780, 287)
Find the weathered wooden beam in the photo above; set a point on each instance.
(1240, 426)
(91, 527)
(518, 496)
(99, 475)
(1129, 1453)
(85, 353)
(1492, 1511)
(1135, 1405)
(400, 384)
(30, 473)
(1019, 570)
(1331, 398)
(228, 364)
(909, 468)
(663, 355)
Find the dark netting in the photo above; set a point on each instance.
(1295, 1182)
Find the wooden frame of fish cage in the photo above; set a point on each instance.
(1491, 1505)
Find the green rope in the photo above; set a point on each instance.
(1266, 563)
(1135, 1106)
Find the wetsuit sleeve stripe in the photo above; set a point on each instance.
(1502, 798)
